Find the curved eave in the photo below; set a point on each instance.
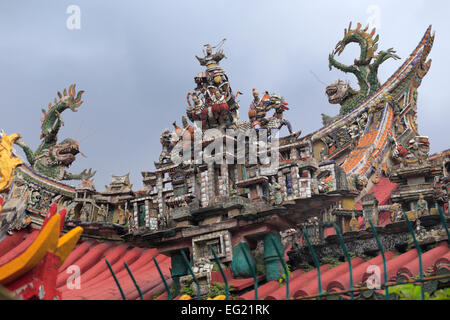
(46, 182)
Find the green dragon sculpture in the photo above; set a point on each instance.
(51, 159)
(365, 69)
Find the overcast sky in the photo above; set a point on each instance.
(135, 60)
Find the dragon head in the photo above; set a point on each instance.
(64, 153)
(167, 137)
(276, 102)
(339, 91)
(53, 161)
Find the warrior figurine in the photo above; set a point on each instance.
(130, 220)
(220, 108)
(280, 106)
(257, 112)
(101, 214)
(276, 197)
(84, 215)
(256, 103)
(323, 154)
(184, 135)
(354, 132)
(121, 216)
(197, 111)
(422, 207)
(211, 60)
(396, 212)
(413, 148)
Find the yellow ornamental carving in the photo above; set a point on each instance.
(354, 225)
(8, 162)
(221, 297)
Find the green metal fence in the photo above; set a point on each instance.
(252, 270)
(386, 285)
(421, 279)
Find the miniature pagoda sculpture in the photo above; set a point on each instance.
(370, 209)
(116, 199)
(85, 208)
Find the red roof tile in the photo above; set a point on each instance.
(295, 284)
(429, 260)
(100, 284)
(10, 242)
(311, 287)
(11, 250)
(336, 279)
(444, 260)
(343, 281)
(96, 281)
(394, 265)
(263, 291)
